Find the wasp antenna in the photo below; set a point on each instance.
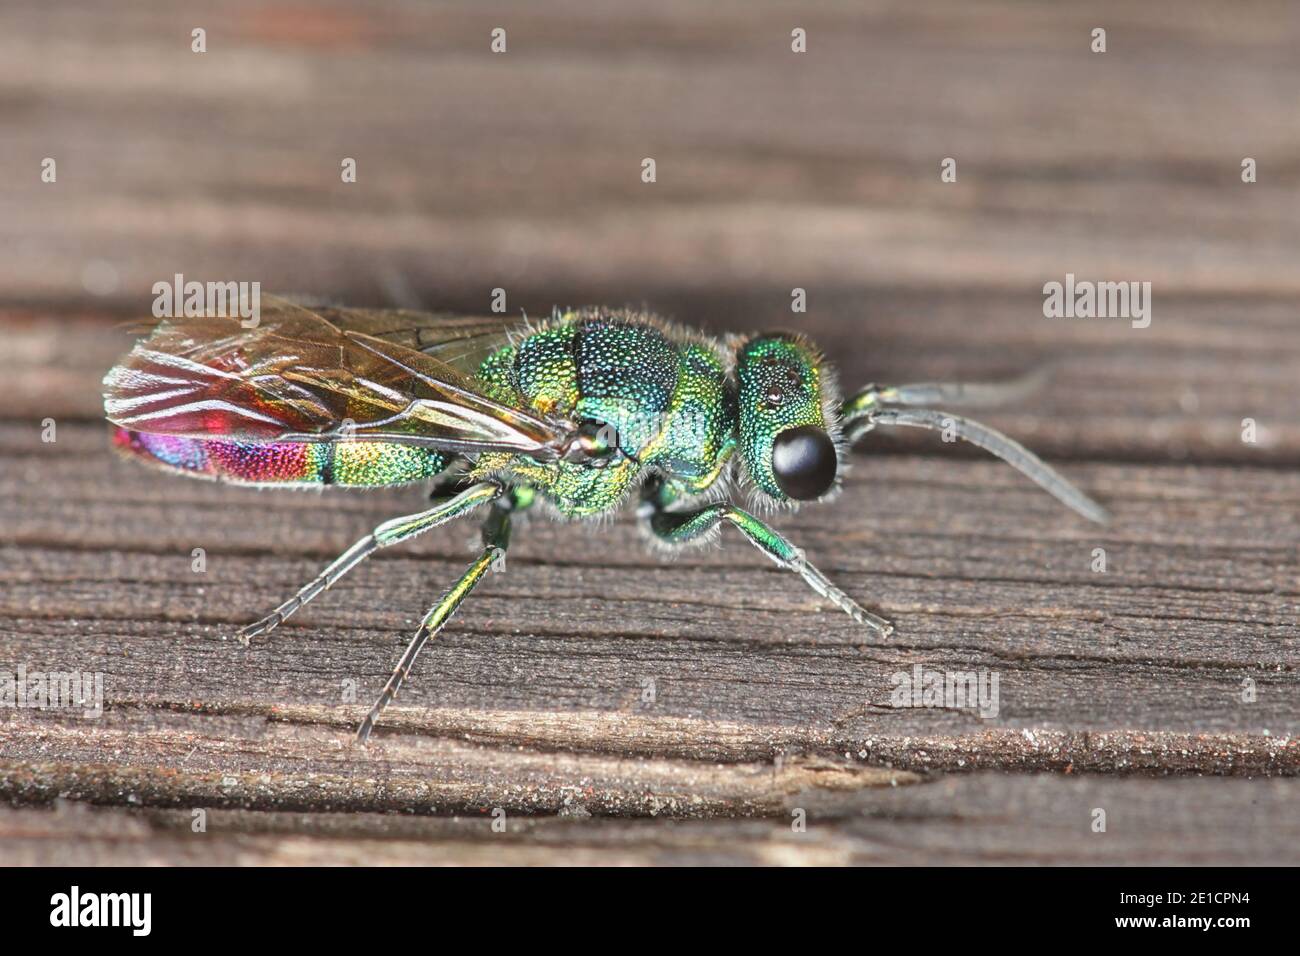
(967, 395)
(857, 410)
(1012, 452)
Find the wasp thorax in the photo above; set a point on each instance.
(785, 439)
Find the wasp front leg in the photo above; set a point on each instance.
(680, 527)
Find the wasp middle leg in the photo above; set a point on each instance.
(496, 538)
(679, 527)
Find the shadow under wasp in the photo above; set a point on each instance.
(576, 413)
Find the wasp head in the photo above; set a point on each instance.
(789, 434)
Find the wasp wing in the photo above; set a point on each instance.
(299, 377)
(461, 341)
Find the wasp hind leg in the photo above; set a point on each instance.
(496, 538)
(387, 534)
(679, 527)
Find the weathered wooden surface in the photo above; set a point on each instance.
(532, 700)
(775, 171)
(962, 819)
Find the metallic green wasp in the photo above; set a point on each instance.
(574, 414)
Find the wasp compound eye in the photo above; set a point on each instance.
(804, 462)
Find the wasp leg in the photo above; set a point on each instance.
(388, 533)
(496, 538)
(678, 527)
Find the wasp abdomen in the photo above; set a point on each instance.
(360, 464)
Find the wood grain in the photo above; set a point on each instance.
(966, 819)
(1140, 668)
